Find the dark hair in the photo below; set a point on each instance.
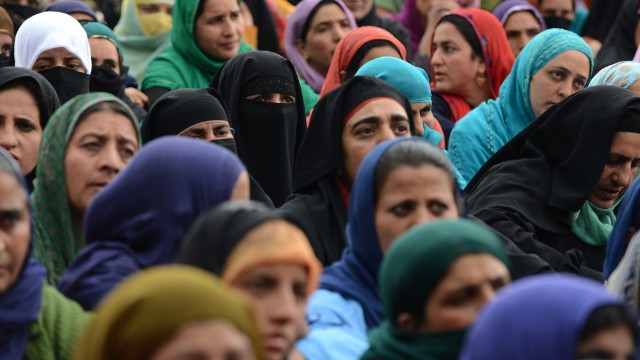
(106, 106)
(608, 317)
(468, 33)
(307, 22)
(415, 153)
(354, 65)
(31, 86)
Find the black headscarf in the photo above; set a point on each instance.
(180, 109)
(548, 170)
(602, 16)
(394, 27)
(262, 19)
(620, 44)
(267, 135)
(213, 236)
(317, 206)
(46, 96)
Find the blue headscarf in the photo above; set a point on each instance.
(139, 219)
(628, 216)
(355, 275)
(20, 304)
(621, 74)
(481, 133)
(539, 317)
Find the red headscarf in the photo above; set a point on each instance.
(347, 49)
(495, 46)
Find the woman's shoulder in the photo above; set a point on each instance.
(59, 323)
(164, 70)
(337, 328)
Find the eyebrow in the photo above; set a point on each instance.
(399, 117)
(562, 68)
(328, 22)
(221, 126)
(374, 120)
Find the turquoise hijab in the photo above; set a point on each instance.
(481, 133)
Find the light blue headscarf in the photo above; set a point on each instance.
(483, 131)
(622, 74)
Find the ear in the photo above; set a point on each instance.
(482, 68)
(301, 46)
(406, 321)
(343, 76)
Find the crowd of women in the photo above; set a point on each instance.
(319, 179)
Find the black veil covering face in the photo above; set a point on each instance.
(268, 135)
(530, 189)
(46, 97)
(180, 109)
(318, 206)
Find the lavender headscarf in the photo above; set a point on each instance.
(293, 32)
(503, 10)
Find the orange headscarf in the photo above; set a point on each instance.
(347, 49)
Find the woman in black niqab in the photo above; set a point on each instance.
(268, 135)
(620, 43)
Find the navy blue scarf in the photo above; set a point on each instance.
(20, 304)
(355, 275)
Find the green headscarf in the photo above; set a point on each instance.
(137, 47)
(101, 31)
(183, 64)
(414, 265)
(58, 237)
(592, 224)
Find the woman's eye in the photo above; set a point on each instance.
(289, 100)
(556, 75)
(367, 131)
(402, 209)
(401, 129)
(438, 208)
(25, 126)
(9, 219)
(93, 146)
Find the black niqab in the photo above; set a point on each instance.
(267, 135)
(68, 83)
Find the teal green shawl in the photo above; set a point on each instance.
(592, 224)
(183, 64)
(483, 131)
(414, 265)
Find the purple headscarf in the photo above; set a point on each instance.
(293, 32)
(70, 7)
(503, 10)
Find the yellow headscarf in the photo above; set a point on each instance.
(147, 310)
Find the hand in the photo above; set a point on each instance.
(440, 8)
(137, 97)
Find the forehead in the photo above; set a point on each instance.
(446, 31)
(219, 6)
(103, 45)
(427, 178)
(556, 4)
(521, 20)
(328, 12)
(208, 123)
(57, 53)
(379, 107)
(13, 194)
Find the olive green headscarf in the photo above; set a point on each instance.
(183, 64)
(149, 308)
(58, 237)
(414, 265)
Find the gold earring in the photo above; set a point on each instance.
(480, 79)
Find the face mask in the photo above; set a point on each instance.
(5, 61)
(557, 22)
(229, 144)
(68, 83)
(157, 23)
(104, 79)
(432, 136)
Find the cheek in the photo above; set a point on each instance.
(387, 226)
(443, 318)
(320, 45)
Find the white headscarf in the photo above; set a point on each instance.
(50, 30)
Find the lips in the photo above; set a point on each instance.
(609, 194)
(276, 343)
(230, 45)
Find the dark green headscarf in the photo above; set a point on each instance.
(183, 64)
(58, 237)
(412, 268)
(101, 31)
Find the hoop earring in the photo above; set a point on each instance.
(480, 79)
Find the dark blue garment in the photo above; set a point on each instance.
(139, 219)
(539, 317)
(629, 216)
(20, 304)
(355, 275)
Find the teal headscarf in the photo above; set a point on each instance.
(481, 133)
(184, 64)
(414, 265)
(622, 74)
(99, 30)
(139, 48)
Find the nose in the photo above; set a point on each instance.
(386, 133)
(422, 216)
(566, 89)
(8, 138)
(339, 32)
(417, 123)
(209, 134)
(284, 310)
(110, 159)
(623, 176)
